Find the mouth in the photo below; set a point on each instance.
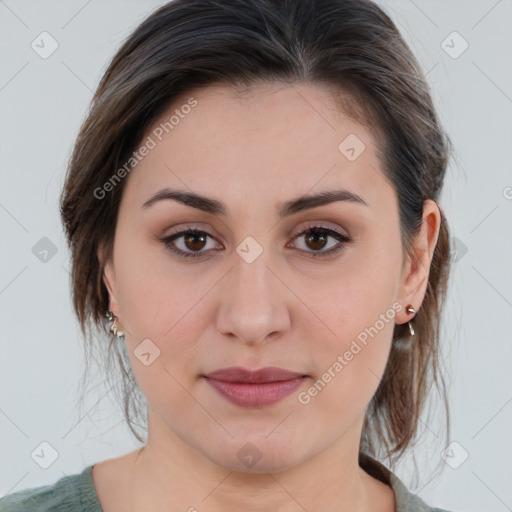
(254, 388)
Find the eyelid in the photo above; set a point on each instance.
(319, 225)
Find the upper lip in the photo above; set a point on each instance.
(240, 374)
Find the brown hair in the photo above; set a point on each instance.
(350, 46)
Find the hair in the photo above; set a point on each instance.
(353, 48)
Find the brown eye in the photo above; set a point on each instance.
(317, 238)
(192, 242)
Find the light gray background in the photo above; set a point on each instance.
(42, 104)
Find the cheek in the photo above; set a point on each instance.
(351, 371)
(162, 304)
(150, 291)
(359, 308)
(357, 296)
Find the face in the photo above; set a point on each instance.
(309, 289)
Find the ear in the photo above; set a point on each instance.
(109, 279)
(416, 270)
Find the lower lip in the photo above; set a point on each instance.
(256, 395)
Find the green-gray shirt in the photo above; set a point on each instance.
(76, 493)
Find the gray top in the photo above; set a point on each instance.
(76, 493)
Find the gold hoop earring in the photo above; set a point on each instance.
(114, 328)
(410, 309)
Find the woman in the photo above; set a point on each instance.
(252, 204)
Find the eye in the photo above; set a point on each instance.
(193, 241)
(317, 238)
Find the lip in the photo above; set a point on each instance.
(254, 388)
(246, 375)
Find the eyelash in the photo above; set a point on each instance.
(342, 239)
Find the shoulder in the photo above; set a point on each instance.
(73, 492)
(405, 500)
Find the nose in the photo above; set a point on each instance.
(255, 302)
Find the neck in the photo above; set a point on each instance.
(169, 474)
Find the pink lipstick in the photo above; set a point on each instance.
(255, 388)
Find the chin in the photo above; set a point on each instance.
(256, 454)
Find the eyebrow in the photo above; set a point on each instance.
(213, 206)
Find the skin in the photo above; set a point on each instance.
(285, 309)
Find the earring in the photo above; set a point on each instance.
(410, 309)
(114, 328)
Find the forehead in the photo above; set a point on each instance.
(268, 140)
